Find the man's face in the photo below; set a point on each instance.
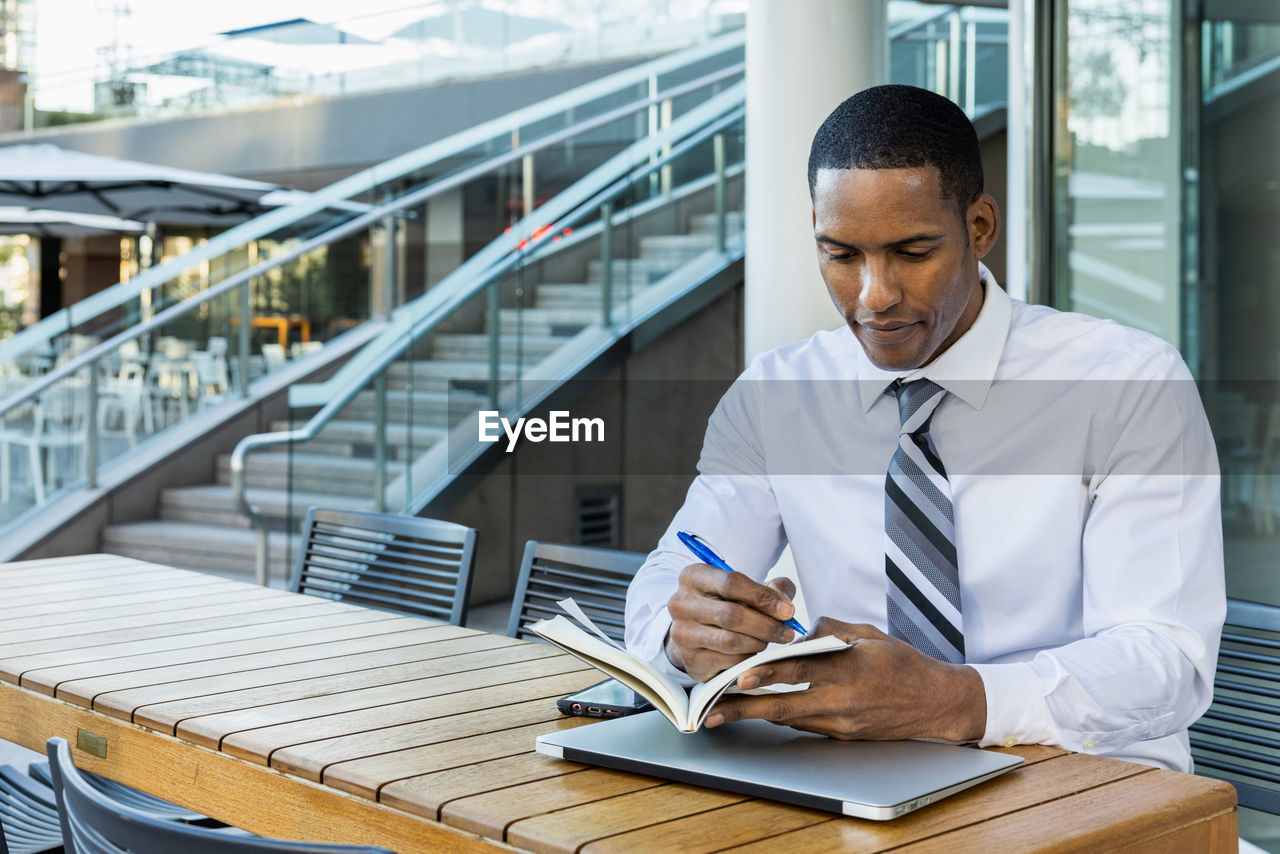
(900, 262)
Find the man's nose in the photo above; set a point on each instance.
(878, 291)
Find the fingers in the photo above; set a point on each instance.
(736, 587)
(719, 618)
(723, 600)
(847, 632)
(783, 585)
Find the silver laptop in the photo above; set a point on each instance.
(866, 779)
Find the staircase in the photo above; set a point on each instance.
(200, 528)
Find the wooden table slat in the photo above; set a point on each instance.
(310, 759)
(244, 612)
(439, 696)
(196, 589)
(106, 583)
(569, 829)
(206, 719)
(58, 568)
(490, 814)
(427, 794)
(351, 666)
(155, 611)
(714, 830)
(344, 642)
(85, 661)
(365, 777)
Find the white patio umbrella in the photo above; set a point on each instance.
(48, 177)
(40, 223)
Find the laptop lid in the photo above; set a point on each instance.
(866, 779)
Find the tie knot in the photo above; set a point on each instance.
(916, 403)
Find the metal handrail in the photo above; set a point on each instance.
(167, 315)
(336, 194)
(569, 206)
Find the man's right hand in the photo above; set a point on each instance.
(719, 618)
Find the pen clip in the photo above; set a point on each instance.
(703, 550)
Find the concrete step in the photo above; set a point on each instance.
(706, 223)
(218, 549)
(214, 504)
(425, 408)
(675, 246)
(351, 437)
(528, 349)
(547, 321)
(586, 296)
(440, 376)
(638, 270)
(321, 473)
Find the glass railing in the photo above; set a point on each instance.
(960, 52)
(93, 384)
(644, 228)
(1237, 53)
(413, 44)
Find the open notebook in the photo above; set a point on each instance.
(686, 708)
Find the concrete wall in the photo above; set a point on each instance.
(311, 143)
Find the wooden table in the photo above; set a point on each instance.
(298, 717)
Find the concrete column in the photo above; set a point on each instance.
(803, 58)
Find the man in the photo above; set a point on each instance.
(1011, 513)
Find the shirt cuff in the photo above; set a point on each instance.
(653, 651)
(1016, 709)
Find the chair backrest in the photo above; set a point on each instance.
(273, 357)
(396, 563)
(92, 823)
(596, 579)
(1238, 738)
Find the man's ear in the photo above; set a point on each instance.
(813, 218)
(983, 222)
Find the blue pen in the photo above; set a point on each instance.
(702, 551)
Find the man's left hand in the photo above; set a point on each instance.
(879, 688)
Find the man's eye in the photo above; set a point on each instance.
(916, 255)
(831, 256)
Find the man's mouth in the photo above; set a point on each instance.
(888, 333)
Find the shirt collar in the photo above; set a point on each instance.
(967, 368)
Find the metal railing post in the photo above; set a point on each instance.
(527, 197)
(260, 554)
(91, 427)
(242, 354)
(606, 263)
(722, 226)
(380, 441)
(494, 331)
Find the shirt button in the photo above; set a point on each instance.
(1088, 744)
(1011, 741)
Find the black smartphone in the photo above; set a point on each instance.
(607, 699)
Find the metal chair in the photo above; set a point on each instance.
(405, 564)
(92, 823)
(596, 579)
(28, 814)
(130, 797)
(1238, 738)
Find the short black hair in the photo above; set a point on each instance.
(901, 127)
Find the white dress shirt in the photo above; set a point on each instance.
(1086, 497)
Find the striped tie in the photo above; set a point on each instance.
(922, 584)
